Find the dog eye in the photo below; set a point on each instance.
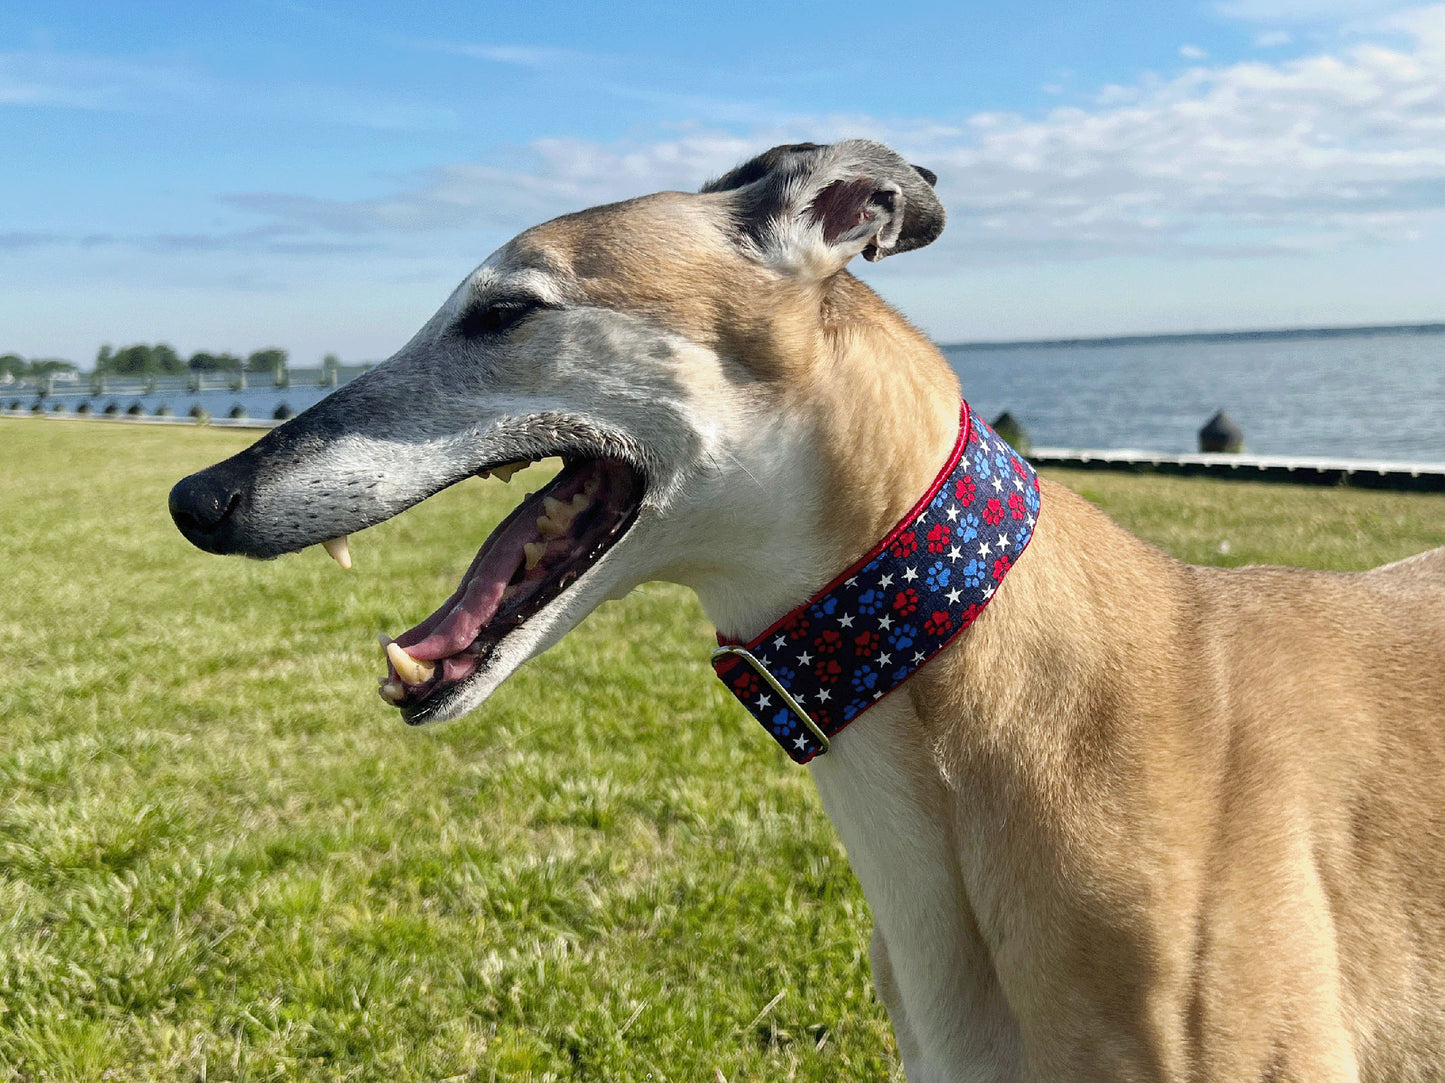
(492, 319)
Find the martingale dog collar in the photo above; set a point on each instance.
(860, 637)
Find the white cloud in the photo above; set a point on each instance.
(1327, 150)
(1343, 147)
(1192, 52)
(1252, 156)
(1272, 39)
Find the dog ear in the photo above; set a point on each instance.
(811, 206)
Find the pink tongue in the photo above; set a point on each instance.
(454, 626)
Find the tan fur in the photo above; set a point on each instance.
(1200, 813)
(1142, 821)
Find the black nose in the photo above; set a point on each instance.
(201, 505)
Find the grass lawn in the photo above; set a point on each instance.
(223, 858)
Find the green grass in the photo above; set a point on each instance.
(222, 857)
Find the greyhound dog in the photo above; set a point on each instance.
(1135, 820)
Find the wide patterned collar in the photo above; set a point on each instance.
(826, 662)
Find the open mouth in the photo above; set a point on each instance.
(530, 559)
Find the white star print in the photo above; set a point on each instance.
(764, 701)
(987, 594)
(852, 582)
(801, 743)
(954, 553)
(953, 513)
(1002, 540)
(953, 596)
(983, 549)
(1018, 483)
(997, 485)
(886, 623)
(886, 581)
(910, 574)
(918, 657)
(824, 695)
(846, 621)
(781, 641)
(805, 659)
(885, 659)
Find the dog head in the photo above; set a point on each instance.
(663, 348)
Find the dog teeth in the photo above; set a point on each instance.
(534, 552)
(339, 551)
(392, 691)
(409, 669)
(557, 519)
(506, 470)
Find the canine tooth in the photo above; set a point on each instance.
(558, 516)
(392, 691)
(411, 670)
(506, 471)
(339, 551)
(534, 552)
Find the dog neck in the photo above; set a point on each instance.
(827, 661)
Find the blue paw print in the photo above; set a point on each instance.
(871, 601)
(937, 575)
(973, 573)
(902, 637)
(865, 680)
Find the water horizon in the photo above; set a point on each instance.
(1363, 392)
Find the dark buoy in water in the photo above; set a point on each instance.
(283, 412)
(1013, 434)
(135, 410)
(237, 412)
(83, 408)
(1220, 434)
(111, 409)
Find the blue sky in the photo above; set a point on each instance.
(320, 175)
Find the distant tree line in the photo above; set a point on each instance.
(15, 367)
(162, 360)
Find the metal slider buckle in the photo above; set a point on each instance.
(772, 682)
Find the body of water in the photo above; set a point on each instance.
(1365, 395)
(260, 399)
(1360, 395)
